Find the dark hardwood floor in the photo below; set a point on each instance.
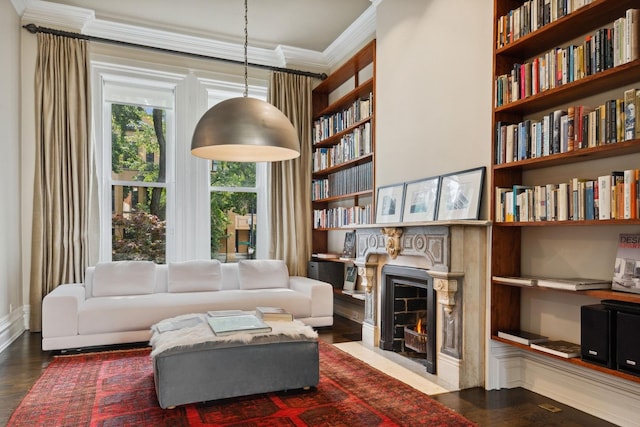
(22, 363)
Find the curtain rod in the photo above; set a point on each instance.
(34, 29)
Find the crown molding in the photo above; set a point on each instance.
(19, 6)
(83, 20)
(355, 36)
(59, 16)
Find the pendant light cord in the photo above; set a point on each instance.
(246, 57)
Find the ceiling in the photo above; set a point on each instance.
(304, 24)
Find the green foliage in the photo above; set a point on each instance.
(143, 237)
(230, 174)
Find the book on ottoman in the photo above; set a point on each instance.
(273, 314)
(227, 325)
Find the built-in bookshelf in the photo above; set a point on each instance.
(563, 80)
(344, 148)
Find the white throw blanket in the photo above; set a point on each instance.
(190, 329)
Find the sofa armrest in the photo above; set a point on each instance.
(321, 294)
(60, 310)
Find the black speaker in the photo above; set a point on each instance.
(327, 271)
(628, 346)
(597, 335)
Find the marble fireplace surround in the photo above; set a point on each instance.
(454, 254)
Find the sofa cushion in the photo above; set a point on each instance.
(123, 278)
(194, 276)
(263, 274)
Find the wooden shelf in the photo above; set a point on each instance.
(353, 80)
(337, 293)
(335, 138)
(565, 29)
(613, 78)
(574, 360)
(507, 238)
(592, 153)
(344, 165)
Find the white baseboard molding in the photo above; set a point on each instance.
(604, 396)
(12, 326)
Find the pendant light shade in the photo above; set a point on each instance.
(245, 129)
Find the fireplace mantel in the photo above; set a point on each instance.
(454, 253)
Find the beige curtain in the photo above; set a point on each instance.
(62, 183)
(290, 203)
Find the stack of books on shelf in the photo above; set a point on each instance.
(572, 284)
(330, 125)
(539, 342)
(574, 128)
(351, 146)
(340, 217)
(612, 196)
(353, 180)
(531, 16)
(606, 48)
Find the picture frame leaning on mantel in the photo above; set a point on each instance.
(452, 196)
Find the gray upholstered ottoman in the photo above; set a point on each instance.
(191, 364)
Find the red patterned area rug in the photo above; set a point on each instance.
(116, 389)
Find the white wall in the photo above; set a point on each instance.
(433, 110)
(11, 296)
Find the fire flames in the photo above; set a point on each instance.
(420, 327)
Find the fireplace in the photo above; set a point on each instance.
(408, 299)
(445, 261)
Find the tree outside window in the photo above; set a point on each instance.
(138, 172)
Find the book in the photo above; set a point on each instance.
(273, 314)
(218, 313)
(574, 284)
(325, 256)
(228, 325)
(522, 337)
(518, 281)
(560, 348)
(626, 269)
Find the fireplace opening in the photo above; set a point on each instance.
(408, 314)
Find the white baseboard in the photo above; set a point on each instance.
(604, 396)
(12, 326)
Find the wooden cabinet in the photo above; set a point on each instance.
(512, 241)
(344, 148)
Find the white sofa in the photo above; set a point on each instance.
(120, 301)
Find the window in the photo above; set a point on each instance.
(234, 193)
(157, 201)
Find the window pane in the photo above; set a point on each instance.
(138, 223)
(233, 225)
(233, 174)
(138, 143)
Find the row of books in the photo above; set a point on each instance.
(351, 146)
(602, 50)
(533, 15)
(342, 216)
(329, 125)
(577, 127)
(612, 196)
(560, 348)
(353, 180)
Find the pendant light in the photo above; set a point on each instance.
(245, 129)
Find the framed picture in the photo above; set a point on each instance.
(420, 200)
(460, 194)
(389, 203)
(350, 278)
(349, 249)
